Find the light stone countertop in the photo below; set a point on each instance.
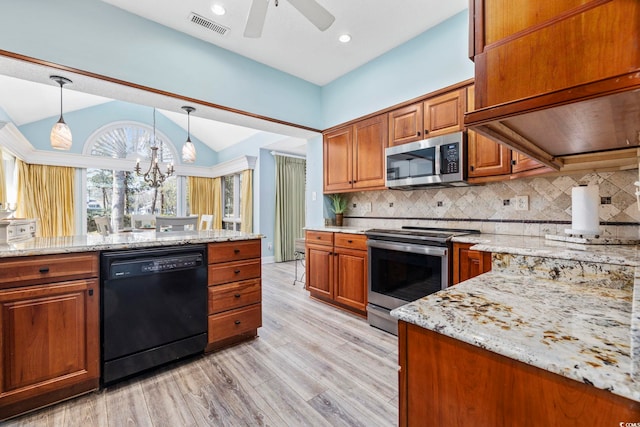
(127, 240)
(336, 229)
(571, 310)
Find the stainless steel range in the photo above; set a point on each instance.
(405, 265)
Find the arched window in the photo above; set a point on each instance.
(120, 193)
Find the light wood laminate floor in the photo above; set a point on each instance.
(312, 365)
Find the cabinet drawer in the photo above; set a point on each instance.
(353, 241)
(235, 322)
(234, 251)
(234, 271)
(319, 237)
(234, 295)
(21, 271)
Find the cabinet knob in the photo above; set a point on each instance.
(237, 322)
(44, 269)
(90, 292)
(426, 131)
(350, 182)
(236, 251)
(513, 162)
(236, 271)
(318, 237)
(472, 168)
(418, 133)
(349, 241)
(237, 295)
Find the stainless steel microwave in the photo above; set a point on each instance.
(438, 161)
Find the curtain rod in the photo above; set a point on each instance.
(295, 156)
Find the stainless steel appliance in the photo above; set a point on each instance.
(154, 308)
(438, 161)
(405, 265)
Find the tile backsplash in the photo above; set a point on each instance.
(492, 207)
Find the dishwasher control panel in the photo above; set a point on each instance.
(137, 267)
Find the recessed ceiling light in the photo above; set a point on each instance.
(344, 38)
(218, 9)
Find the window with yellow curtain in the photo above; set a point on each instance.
(204, 198)
(47, 193)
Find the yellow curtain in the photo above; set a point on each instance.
(204, 198)
(3, 185)
(47, 193)
(246, 200)
(217, 201)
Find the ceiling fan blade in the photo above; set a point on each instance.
(318, 15)
(255, 20)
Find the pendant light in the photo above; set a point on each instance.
(60, 133)
(188, 149)
(154, 176)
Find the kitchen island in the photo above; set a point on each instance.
(52, 292)
(549, 337)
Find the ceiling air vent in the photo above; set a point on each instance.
(208, 24)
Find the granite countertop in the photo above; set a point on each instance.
(541, 247)
(573, 312)
(336, 229)
(125, 240)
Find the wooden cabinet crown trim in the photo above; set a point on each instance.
(421, 98)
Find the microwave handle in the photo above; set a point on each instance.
(438, 156)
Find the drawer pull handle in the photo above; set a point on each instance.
(237, 322)
(90, 292)
(44, 269)
(237, 295)
(237, 271)
(349, 241)
(236, 251)
(318, 237)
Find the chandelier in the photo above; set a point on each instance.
(154, 176)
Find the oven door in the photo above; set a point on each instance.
(404, 272)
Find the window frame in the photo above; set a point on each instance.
(235, 221)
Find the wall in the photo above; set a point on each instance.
(94, 36)
(482, 207)
(435, 59)
(84, 123)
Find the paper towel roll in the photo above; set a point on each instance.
(585, 201)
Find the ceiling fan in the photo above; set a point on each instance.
(316, 14)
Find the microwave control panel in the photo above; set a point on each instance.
(450, 155)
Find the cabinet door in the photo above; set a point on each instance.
(445, 113)
(49, 344)
(406, 124)
(487, 157)
(319, 270)
(337, 160)
(351, 278)
(369, 141)
(468, 263)
(521, 163)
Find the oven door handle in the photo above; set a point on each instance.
(407, 247)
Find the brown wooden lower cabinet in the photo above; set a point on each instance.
(235, 292)
(49, 332)
(445, 382)
(468, 263)
(336, 269)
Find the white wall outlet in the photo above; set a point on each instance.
(522, 203)
(314, 196)
(270, 246)
(366, 207)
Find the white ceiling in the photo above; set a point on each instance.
(290, 43)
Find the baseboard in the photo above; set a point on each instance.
(268, 259)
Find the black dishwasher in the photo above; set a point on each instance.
(154, 308)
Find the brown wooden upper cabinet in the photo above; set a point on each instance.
(354, 156)
(487, 158)
(556, 78)
(435, 116)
